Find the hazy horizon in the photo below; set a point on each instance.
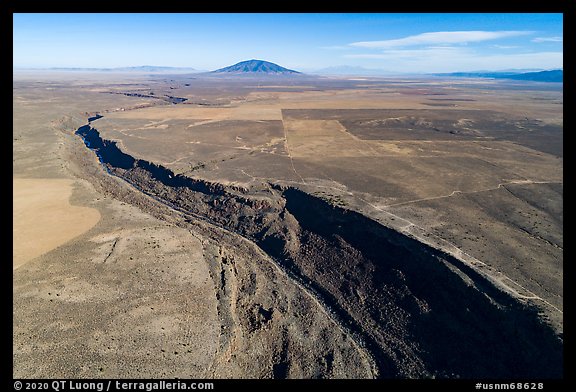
(342, 69)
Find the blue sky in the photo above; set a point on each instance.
(393, 42)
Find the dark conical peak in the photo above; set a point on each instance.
(256, 66)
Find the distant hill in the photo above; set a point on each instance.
(256, 66)
(539, 76)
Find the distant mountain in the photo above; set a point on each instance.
(511, 70)
(540, 76)
(256, 66)
(351, 71)
(556, 75)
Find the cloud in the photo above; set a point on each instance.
(547, 39)
(415, 54)
(452, 59)
(504, 46)
(441, 37)
(336, 47)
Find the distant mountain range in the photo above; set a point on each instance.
(261, 68)
(256, 67)
(154, 68)
(142, 68)
(349, 70)
(539, 76)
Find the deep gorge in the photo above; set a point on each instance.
(398, 298)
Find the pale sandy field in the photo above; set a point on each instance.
(43, 217)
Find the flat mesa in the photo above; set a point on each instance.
(43, 217)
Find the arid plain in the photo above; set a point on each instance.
(286, 227)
